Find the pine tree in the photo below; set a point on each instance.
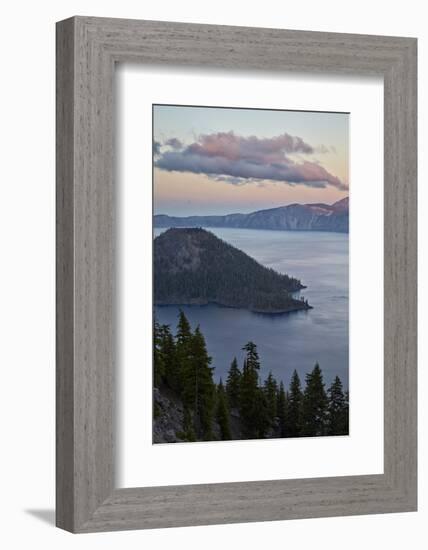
(271, 390)
(252, 356)
(294, 407)
(314, 408)
(169, 355)
(246, 400)
(158, 358)
(183, 342)
(347, 409)
(262, 420)
(198, 386)
(249, 392)
(337, 416)
(184, 331)
(188, 427)
(233, 384)
(222, 412)
(281, 407)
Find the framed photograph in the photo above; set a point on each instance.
(236, 274)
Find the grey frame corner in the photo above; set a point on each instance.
(87, 50)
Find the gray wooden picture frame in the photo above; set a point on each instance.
(87, 50)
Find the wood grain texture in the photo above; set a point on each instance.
(87, 49)
(64, 276)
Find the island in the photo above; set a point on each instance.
(194, 267)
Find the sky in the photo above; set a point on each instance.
(210, 160)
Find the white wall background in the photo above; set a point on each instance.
(27, 273)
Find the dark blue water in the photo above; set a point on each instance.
(288, 341)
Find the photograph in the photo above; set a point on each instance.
(250, 273)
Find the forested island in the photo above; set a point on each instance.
(188, 405)
(194, 267)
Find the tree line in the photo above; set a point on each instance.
(244, 406)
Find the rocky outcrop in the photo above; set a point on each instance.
(168, 420)
(167, 417)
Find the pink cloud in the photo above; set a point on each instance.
(239, 159)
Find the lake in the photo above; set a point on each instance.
(285, 341)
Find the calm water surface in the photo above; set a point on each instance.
(287, 341)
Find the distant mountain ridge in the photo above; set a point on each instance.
(194, 267)
(293, 217)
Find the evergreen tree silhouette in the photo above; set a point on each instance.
(337, 415)
(271, 390)
(249, 398)
(198, 386)
(281, 406)
(183, 341)
(314, 408)
(233, 384)
(294, 409)
(158, 358)
(167, 347)
(222, 412)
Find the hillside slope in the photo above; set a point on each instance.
(194, 267)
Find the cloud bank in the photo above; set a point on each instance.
(238, 160)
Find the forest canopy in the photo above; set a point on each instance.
(241, 407)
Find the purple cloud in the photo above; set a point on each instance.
(244, 159)
(174, 143)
